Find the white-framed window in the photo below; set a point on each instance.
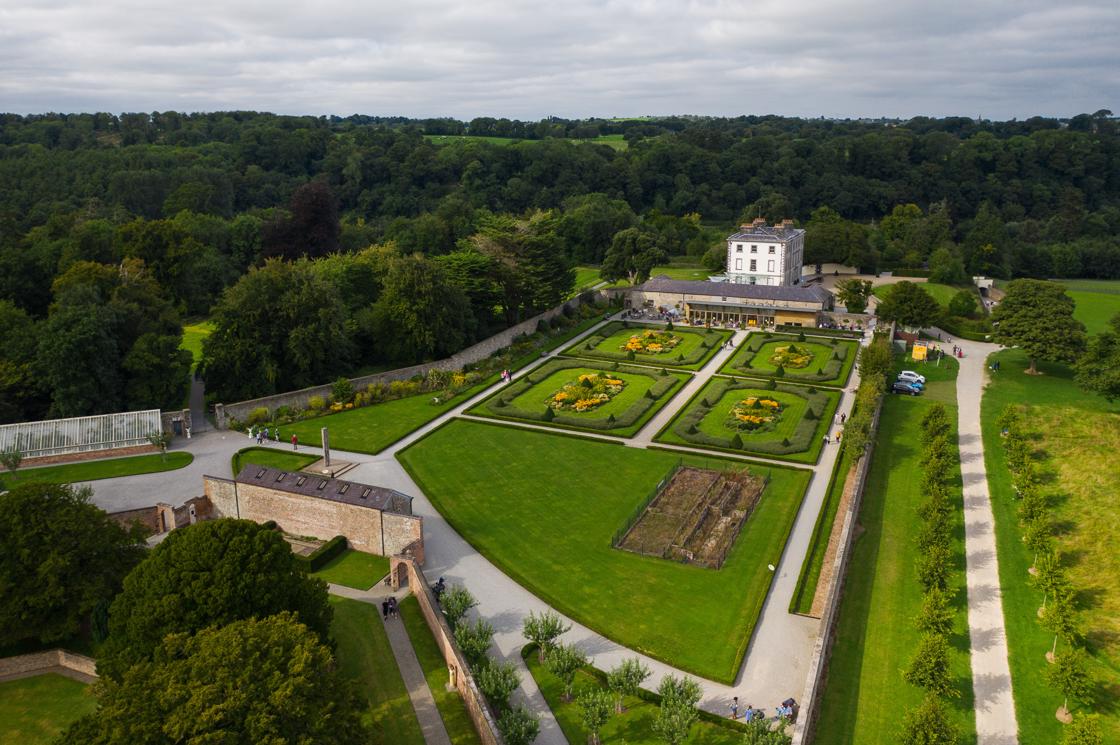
(738, 265)
(754, 265)
(739, 249)
(770, 265)
(754, 249)
(772, 249)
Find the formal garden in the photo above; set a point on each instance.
(578, 394)
(768, 419)
(546, 510)
(793, 357)
(661, 345)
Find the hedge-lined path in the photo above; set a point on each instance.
(784, 641)
(991, 674)
(431, 723)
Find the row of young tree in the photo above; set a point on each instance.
(930, 669)
(1066, 671)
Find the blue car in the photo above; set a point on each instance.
(904, 387)
(915, 383)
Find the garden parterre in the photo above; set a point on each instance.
(545, 508)
(680, 347)
(794, 430)
(610, 398)
(796, 358)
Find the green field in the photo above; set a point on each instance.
(193, 334)
(697, 273)
(634, 726)
(1079, 454)
(608, 343)
(528, 399)
(365, 657)
(586, 276)
(865, 695)
(941, 293)
(450, 704)
(35, 710)
(724, 393)
(544, 509)
(354, 569)
(1096, 301)
(760, 348)
(276, 457)
(94, 470)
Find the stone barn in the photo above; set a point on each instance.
(373, 519)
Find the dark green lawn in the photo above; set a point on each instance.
(865, 695)
(365, 657)
(450, 704)
(634, 726)
(822, 351)
(803, 594)
(545, 508)
(1027, 641)
(272, 457)
(35, 710)
(93, 470)
(354, 569)
(611, 346)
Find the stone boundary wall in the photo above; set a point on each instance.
(404, 568)
(476, 353)
(826, 630)
(51, 460)
(71, 664)
(146, 516)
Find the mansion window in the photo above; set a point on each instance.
(754, 249)
(739, 249)
(771, 249)
(770, 265)
(754, 265)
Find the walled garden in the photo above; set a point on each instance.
(820, 361)
(546, 509)
(610, 398)
(769, 419)
(660, 345)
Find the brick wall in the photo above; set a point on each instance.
(146, 516)
(403, 568)
(49, 460)
(400, 532)
(480, 351)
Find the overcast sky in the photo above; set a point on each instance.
(574, 58)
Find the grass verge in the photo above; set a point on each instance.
(806, 589)
(35, 710)
(365, 657)
(285, 460)
(94, 470)
(355, 569)
(545, 509)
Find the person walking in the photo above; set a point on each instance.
(384, 609)
(295, 443)
(735, 707)
(825, 439)
(843, 418)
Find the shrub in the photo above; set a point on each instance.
(737, 442)
(258, 415)
(497, 681)
(342, 391)
(780, 371)
(518, 727)
(771, 385)
(549, 414)
(630, 355)
(542, 326)
(316, 403)
(554, 322)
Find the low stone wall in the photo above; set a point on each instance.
(826, 630)
(73, 665)
(404, 570)
(223, 413)
(146, 516)
(50, 460)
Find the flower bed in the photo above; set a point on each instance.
(755, 413)
(655, 345)
(579, 394)
(820, 361)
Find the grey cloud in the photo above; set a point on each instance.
(577, 58)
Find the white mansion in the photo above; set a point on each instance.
(762, 255)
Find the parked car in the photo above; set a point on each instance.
(912, 377)
(917, 384)
(903, 387)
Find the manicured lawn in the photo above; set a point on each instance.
(35, 710)
(941, 293)
(93, 470)
(806, 437)
(365, 657)
(694, 273)
(450, 704)
(941, 376)
(865, 696)
(1095, 302)
(1080, 452)
(806, 590)
(586, 276)
(544, 508)
(276, 457)
(823, 369)
(689, 353)
(354, 569)
(193, 335)
(634, 726)
(528, 399)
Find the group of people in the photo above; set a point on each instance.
(260, 434)
(787, 711)
(507, 376)
(389, 607)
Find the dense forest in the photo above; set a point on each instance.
(324, 245)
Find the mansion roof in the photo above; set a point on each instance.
(323, 487)
(776, 233)
(770, 293)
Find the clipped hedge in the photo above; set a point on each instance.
(789, 329)
(587, 347)
(318, 558)
(686, 426)
(499, 404)
(830, 371)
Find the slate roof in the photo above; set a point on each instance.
(766, 233)
(322, 487)
(771, 293)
